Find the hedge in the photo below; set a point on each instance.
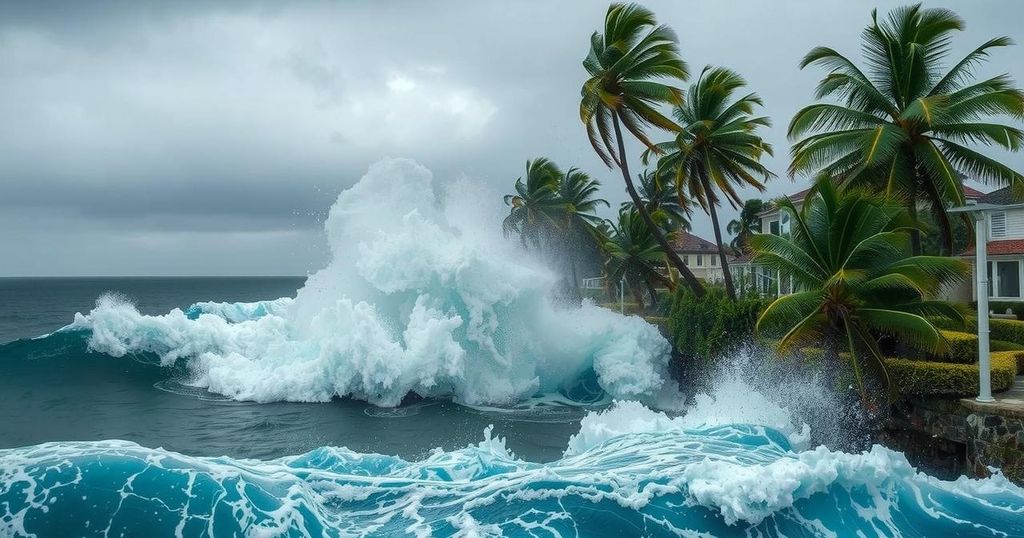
(1004, 330)
(962, 348)
(1008, 330)
(712, 325)
(1002, 345)
(926, 378)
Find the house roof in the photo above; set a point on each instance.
(1003, 196)
(973, 194)
(1000, 248)
(683, 241)
(799, 195)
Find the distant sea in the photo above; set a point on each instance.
(31, 306)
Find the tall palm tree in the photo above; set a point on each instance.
(848, 255)
(633, 255)
(905, 124)
(578, 220)
(718, 148)
(535, 206)
(669, 212)
(746, 225)
(625, 64)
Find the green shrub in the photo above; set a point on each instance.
(712, 325)
(1005, 330)
(927, 378)
(962, 348)
(1009, 330)
(1001, 345)
(949, 324)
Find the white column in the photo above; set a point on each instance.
(981, 257)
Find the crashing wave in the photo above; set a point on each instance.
(416, 300)
(657, 478)
(237, 312)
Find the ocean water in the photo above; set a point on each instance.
(422, 384)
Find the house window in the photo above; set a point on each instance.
(700, 260)
(998, 224)
(773, 227)
(714, 260)
(1005, 280)
(686, 259)
(1008, 278)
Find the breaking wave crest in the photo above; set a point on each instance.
(416, 300)
(661, 476)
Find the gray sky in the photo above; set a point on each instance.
(210, 138)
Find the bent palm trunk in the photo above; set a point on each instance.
(673, 258)
(726, 275)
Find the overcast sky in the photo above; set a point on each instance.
(210, 138)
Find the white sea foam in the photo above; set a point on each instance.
(416, 299)
(732, 401)
(235, 312)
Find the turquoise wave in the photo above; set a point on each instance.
(734, 480)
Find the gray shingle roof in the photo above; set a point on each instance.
(1003, 196)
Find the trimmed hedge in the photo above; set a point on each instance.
(1008, 330)
(1004, 330)
(1002, 345)
(926, 378)
(963, 348)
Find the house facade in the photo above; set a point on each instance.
(699, 255)
(1004, 233)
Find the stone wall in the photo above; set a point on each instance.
(955, 437)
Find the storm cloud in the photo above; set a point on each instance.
(210, 138)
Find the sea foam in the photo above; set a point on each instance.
(417, 299)
(655, 477)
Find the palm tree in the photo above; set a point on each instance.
(577, 193)
(657, 195)
(748, 224)
(536, 204)
(633, 255)
(624, 64)
(717, 149)
(848, 256)
(903, 125)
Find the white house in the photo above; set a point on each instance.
(1005, 234)
(699, 255)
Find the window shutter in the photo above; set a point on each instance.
(998, 225)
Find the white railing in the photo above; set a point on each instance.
(593, 283)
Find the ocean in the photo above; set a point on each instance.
(423, 383)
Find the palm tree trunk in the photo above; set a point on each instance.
(653, 292)
(915, 234)
(942, 219)
(726, 275)
(673, 258)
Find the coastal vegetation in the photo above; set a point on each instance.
(887, 145)
(847, 254)
(905, 124)
(716, 150)
(626, 66)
